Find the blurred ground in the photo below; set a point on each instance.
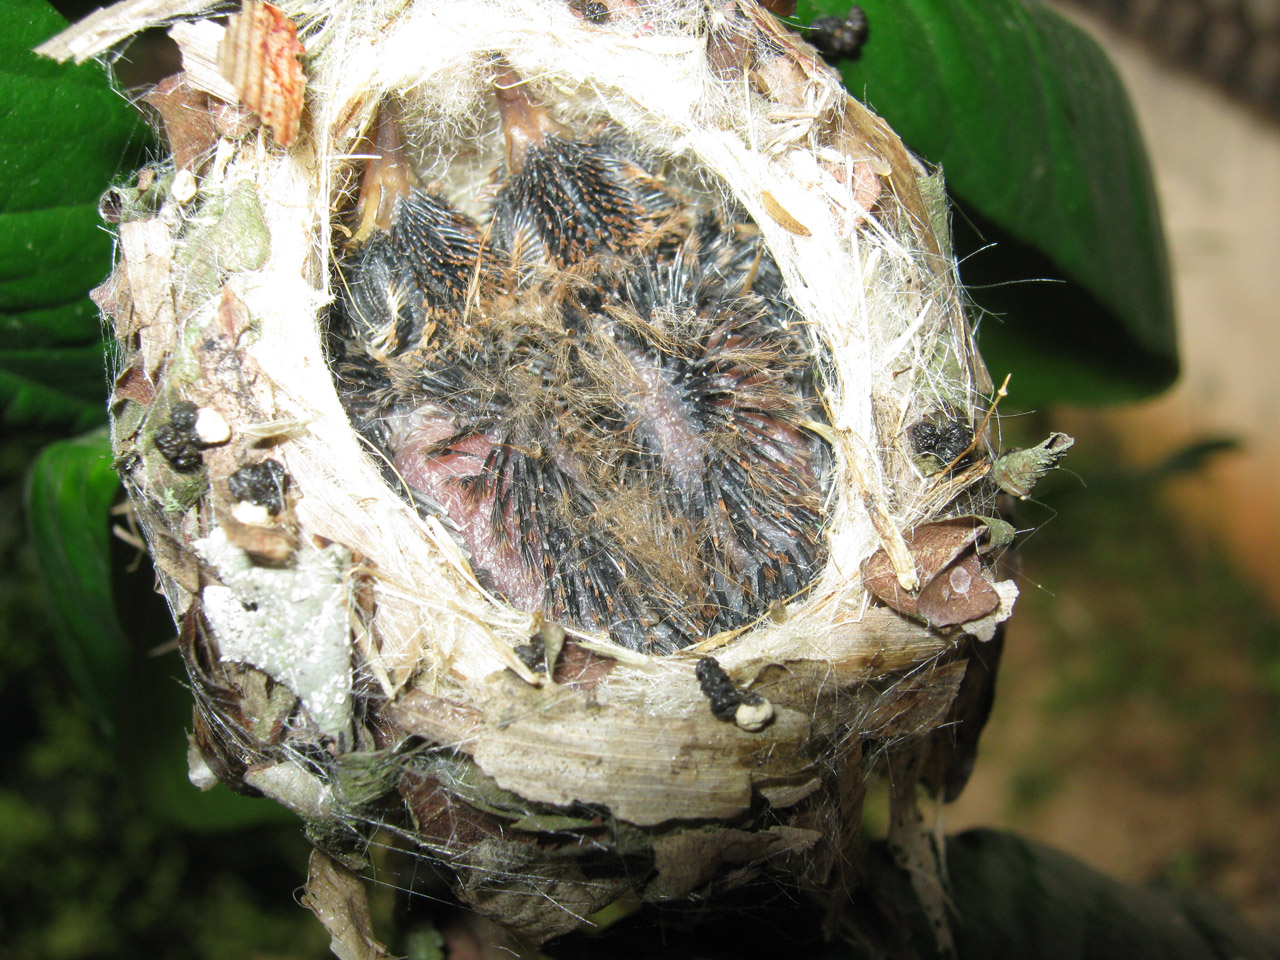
(1138, 720)
(1217, 168)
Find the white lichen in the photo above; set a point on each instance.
(292, 623)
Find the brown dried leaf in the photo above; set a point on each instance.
(259, 55)
(868, 136)
(274, 546)
(552, 904)
(440, 817)
(914, 705)
(933, 547)
(959, 594)
(233, 120)
(228, 376)
(338, 899)
(861, 179)
(135, 385)
(171, 557)
(780, 8)
(188, 120)
(112, 298)
(580, 669)
(866, 185)
(233, 316)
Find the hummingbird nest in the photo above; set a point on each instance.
(560, 440)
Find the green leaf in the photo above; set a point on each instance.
(77, 370)
(1041, 151)
(151, 750)
(69, 495)
(64, 136)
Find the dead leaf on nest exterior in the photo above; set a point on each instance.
(337, 897)
(188, 120)
(954, 588)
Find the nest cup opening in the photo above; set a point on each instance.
(473, 115)
(599, 384)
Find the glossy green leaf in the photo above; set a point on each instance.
(64, 137)
(69, 495)
(1058, 225)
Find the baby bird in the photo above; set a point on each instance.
(562, 198)
(603, 389)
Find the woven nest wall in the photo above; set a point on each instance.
(355, 652)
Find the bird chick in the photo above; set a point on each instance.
(606, 398)
(412, 266)
(563, 198)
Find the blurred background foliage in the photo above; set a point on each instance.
(1125, 624)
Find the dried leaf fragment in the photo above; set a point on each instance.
(914, 705)
(683, 862)
(188, 120)
(646, 770)
(954, 587)
(259, 55)
(338, 899)
(273, 546)
(146, 254)
(780, 8)
(957, 595)
(134, 384)
(1018, 470)
(782, 215)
